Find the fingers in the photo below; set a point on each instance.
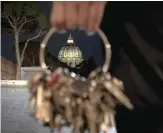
(96, 11)
(64, 14)
(100, 14)
(58, 15)
(83, 8)
(71, 15)
(92, 17)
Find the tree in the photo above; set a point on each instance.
(32, 58)
(22, 18)
(31, 55)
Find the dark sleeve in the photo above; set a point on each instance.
(132, 29)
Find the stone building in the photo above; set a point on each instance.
(8, 69)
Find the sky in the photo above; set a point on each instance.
(90, 46)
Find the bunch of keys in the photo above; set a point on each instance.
(63, 98)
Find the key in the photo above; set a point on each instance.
(92, 116)
(79, 121)
(34, 81)
(58, 121)
(43, 110)
(32, 104)
(78, 125)
(83, 103)
(107, 92)
(113, 85)
(117, 93)
(39, 102)
(33, 86)
(108, 122)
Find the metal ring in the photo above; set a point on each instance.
(100, 33)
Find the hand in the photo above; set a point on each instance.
(71, 15)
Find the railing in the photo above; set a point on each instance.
(14, 82)
(26, 73)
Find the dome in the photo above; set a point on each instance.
(70, 54)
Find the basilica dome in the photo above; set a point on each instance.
(70, 53)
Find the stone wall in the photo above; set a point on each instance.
(29, 72)
(8, 69)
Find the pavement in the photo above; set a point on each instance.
(15, 115)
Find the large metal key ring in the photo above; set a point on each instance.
(100, 33)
